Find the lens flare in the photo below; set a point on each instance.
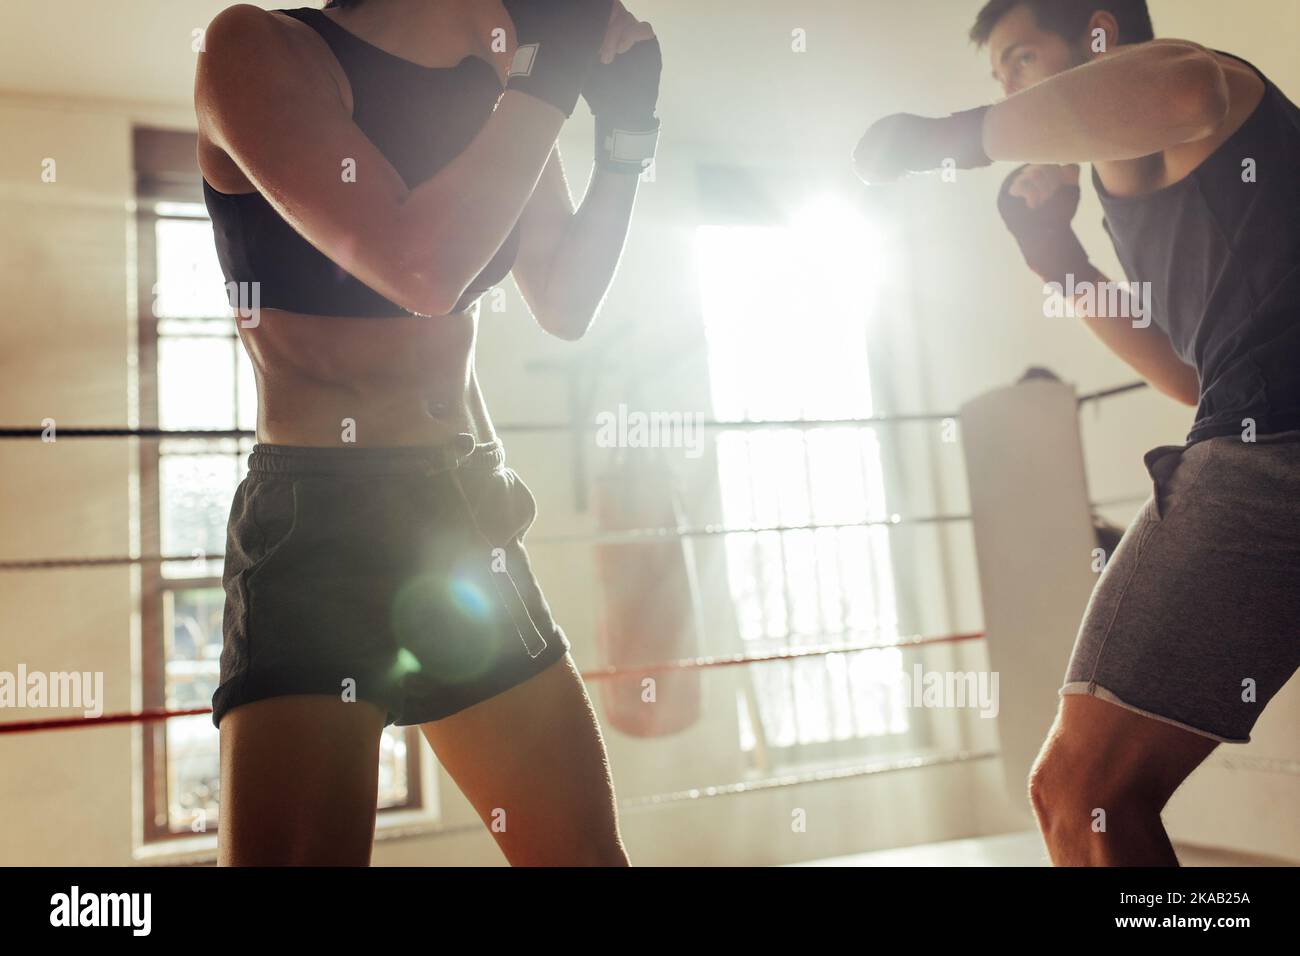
(469, 597)
(445, 629)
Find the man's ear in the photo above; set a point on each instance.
(1102, 36)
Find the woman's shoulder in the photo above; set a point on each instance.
(254, 65)
(246, 36)
(243, 22)
(247, 46)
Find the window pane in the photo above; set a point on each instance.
(193, 646)
(196, 383)
(193, 773)
(190, 282)
(247, 391)
(196, 492)
(393, 785)
(193, 651)
(774, 354)
(189, 210)
(205, 328)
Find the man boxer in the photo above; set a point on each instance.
(1195, 623)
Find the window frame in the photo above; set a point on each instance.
(167, 171)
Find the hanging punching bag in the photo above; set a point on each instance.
(647, 610)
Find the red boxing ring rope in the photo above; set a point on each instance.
(601, 673)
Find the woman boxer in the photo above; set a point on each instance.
(371, 169)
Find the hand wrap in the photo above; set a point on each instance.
(622, 96)
(556, 45)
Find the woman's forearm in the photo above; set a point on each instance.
(588, 254)
(454, 223)
(1135, 102)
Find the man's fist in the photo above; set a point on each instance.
(904, 143)
(1037, 184)
(1038, 204)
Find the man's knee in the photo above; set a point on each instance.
(1073, 783)
(1052, 784)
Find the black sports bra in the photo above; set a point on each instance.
(420, 118)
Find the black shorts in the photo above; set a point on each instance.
(392, 575)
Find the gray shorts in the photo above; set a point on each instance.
(1195, 620)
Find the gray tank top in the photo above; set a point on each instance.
(1221, 250)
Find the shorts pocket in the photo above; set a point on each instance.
(275, 513)
(503, 510)
(1159, 467)
(263, 517)
(502, 506)
(523, 505)
(1175, 471)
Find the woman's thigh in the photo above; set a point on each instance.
(299, 782)
(532, 762)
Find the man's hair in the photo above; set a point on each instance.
(342, 3)
(1069, 18)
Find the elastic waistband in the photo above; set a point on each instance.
(351, 461)
(1276, 427)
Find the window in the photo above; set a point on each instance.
(194, 374)
(786, 312)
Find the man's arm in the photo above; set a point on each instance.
(1144, 348)
(1038, 204)
(1140, 100)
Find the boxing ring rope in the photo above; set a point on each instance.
(597, 674)
(539, 427)
(152, 715)
(695, 794)
(768, 784)
(815, 776)
(629, 536)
